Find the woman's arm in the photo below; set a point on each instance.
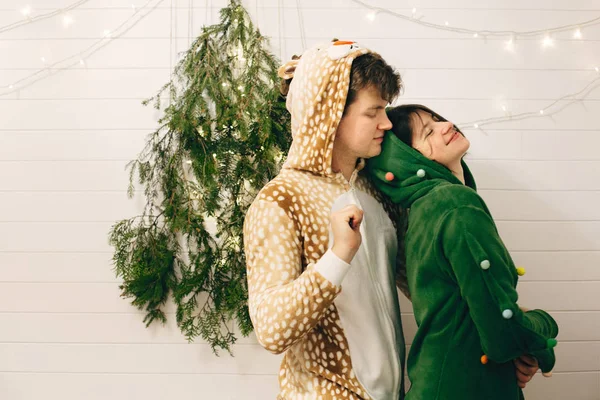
(486, 276)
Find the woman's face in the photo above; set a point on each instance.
(437, 140)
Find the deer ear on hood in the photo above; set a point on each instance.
(286, 71)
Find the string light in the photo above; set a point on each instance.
(549, 110)
(486, 33)
(67, 21)
(106, 33)
(548, 41)
(371, 16)
(76, 59)
(26, 11)
(509, 45)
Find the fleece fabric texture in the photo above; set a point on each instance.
(295, 309)
(462, 282)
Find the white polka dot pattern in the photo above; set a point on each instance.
(286, 232)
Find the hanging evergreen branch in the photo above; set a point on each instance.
(221, 139)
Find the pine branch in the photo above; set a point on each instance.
(220, 139)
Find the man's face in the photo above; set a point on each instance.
(361, 129)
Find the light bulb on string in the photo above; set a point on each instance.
(26, 11)
(541, 112)
(475, 35)
(371, 16)
(577, 34)
(509, 45)
(81, 62)
(475, 126)
(446, 23)
(106, 33)
(596, 69)
(548, 41)
(67, 21)
(414, 12)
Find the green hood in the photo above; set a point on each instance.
(414, 174)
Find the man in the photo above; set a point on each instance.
(338, 344)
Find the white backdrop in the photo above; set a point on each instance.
(64, 141)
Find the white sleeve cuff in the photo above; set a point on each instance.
(333, 268)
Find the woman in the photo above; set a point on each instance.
(461, 277)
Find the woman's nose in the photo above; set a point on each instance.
(447, 126)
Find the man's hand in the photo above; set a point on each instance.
(526, 367)
(345, 225)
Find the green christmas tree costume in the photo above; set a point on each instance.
(462, 282)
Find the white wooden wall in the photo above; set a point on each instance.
(64, 331)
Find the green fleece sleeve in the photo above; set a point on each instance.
(487, 279)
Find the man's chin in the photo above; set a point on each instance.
(374, 153)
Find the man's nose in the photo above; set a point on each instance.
(386, 124)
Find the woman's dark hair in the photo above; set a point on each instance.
(402, 120)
